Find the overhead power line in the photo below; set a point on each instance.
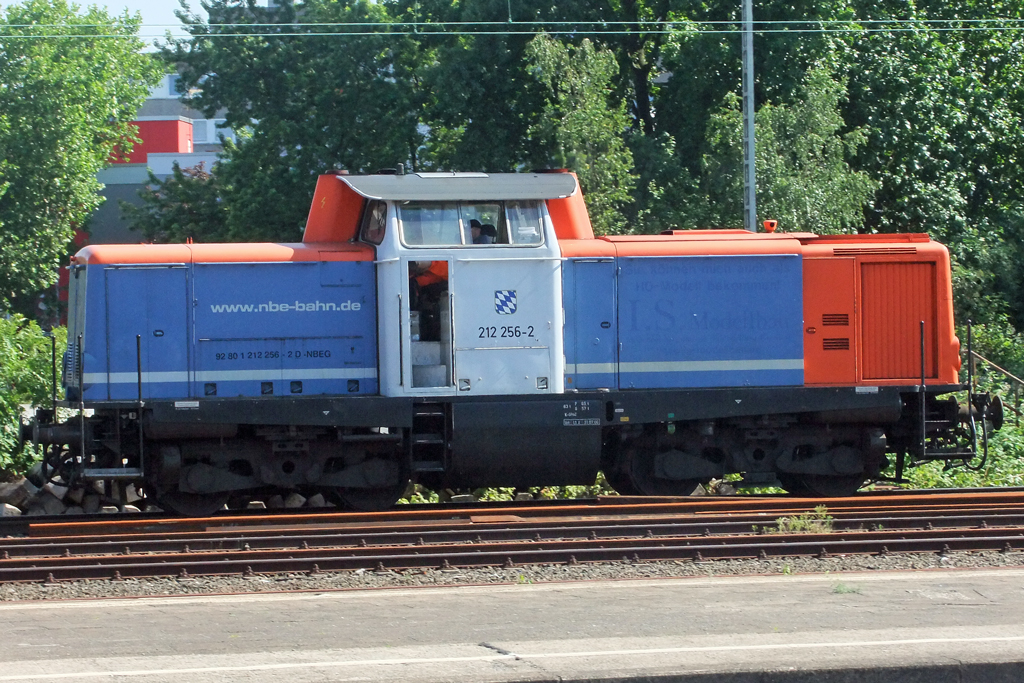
(519, 28)
(648, 23)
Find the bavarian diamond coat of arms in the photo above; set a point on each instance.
(505, 301)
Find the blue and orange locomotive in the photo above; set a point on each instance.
(466, 329)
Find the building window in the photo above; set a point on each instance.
(200, 130)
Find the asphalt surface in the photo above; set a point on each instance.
(930, 626)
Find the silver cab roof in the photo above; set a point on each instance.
(453, 187)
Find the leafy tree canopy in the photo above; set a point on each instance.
(66, 106)
(185, 206)
(804, 180)
(581, 127)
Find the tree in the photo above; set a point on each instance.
(693, 68)
(304, 103)
(185, 206)
(479, 98)
(26, 356)
(804, 179)
(67, 104)
(583, 126)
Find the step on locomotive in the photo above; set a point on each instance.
(467, 329)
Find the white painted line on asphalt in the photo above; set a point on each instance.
(513, 656)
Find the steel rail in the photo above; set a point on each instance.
(479, 532)
(774, 505)
(99, 533)
(509, 535)
(508, 554)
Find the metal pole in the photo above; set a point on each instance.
(53, 373)
(749, 175)
(970, 387)
(138, 412)
(924, 414)
(81, 405)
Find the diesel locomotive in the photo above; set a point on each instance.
(468, 329)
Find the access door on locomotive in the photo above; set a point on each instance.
(469, 283)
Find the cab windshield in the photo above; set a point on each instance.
(471, 224)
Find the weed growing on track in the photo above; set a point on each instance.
(817, 521)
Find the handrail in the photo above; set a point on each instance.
(1015, 381)
(1009, 374)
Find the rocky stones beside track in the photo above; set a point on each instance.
(17, 492)
(23, 497)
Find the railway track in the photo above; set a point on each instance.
(611, 529)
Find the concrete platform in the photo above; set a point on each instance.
(961, 626)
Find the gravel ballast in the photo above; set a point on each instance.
(362, 579)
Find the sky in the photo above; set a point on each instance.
(157, 15)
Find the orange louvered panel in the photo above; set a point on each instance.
(829, 313)
(895, 298)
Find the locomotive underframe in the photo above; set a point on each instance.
(363, 451)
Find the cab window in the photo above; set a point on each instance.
(430, 224)
(483, 224)
(374, 222)
(524, 223)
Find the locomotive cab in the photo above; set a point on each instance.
(465, 314)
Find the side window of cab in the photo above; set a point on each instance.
(374, 222)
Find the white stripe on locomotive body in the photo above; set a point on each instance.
(708, 365)
(588, 368)
(231, 375)
(685, 366)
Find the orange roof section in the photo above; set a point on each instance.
(570, 217)
(221, 253)
(335, 212)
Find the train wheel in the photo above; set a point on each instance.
(639, 468)
(793, 484)
(826, 486)
(369, 500)
(192, 504)
(620, 481)
(375, 498)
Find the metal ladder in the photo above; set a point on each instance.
(429, 437)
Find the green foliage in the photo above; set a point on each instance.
(187, 205)
(582, 127)
(804, 180)
(817, 521)
(66, 106)
(495, 494)
(25, 380)
(420, 494)
(307, 104)
(479, 99)
(600, 487)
